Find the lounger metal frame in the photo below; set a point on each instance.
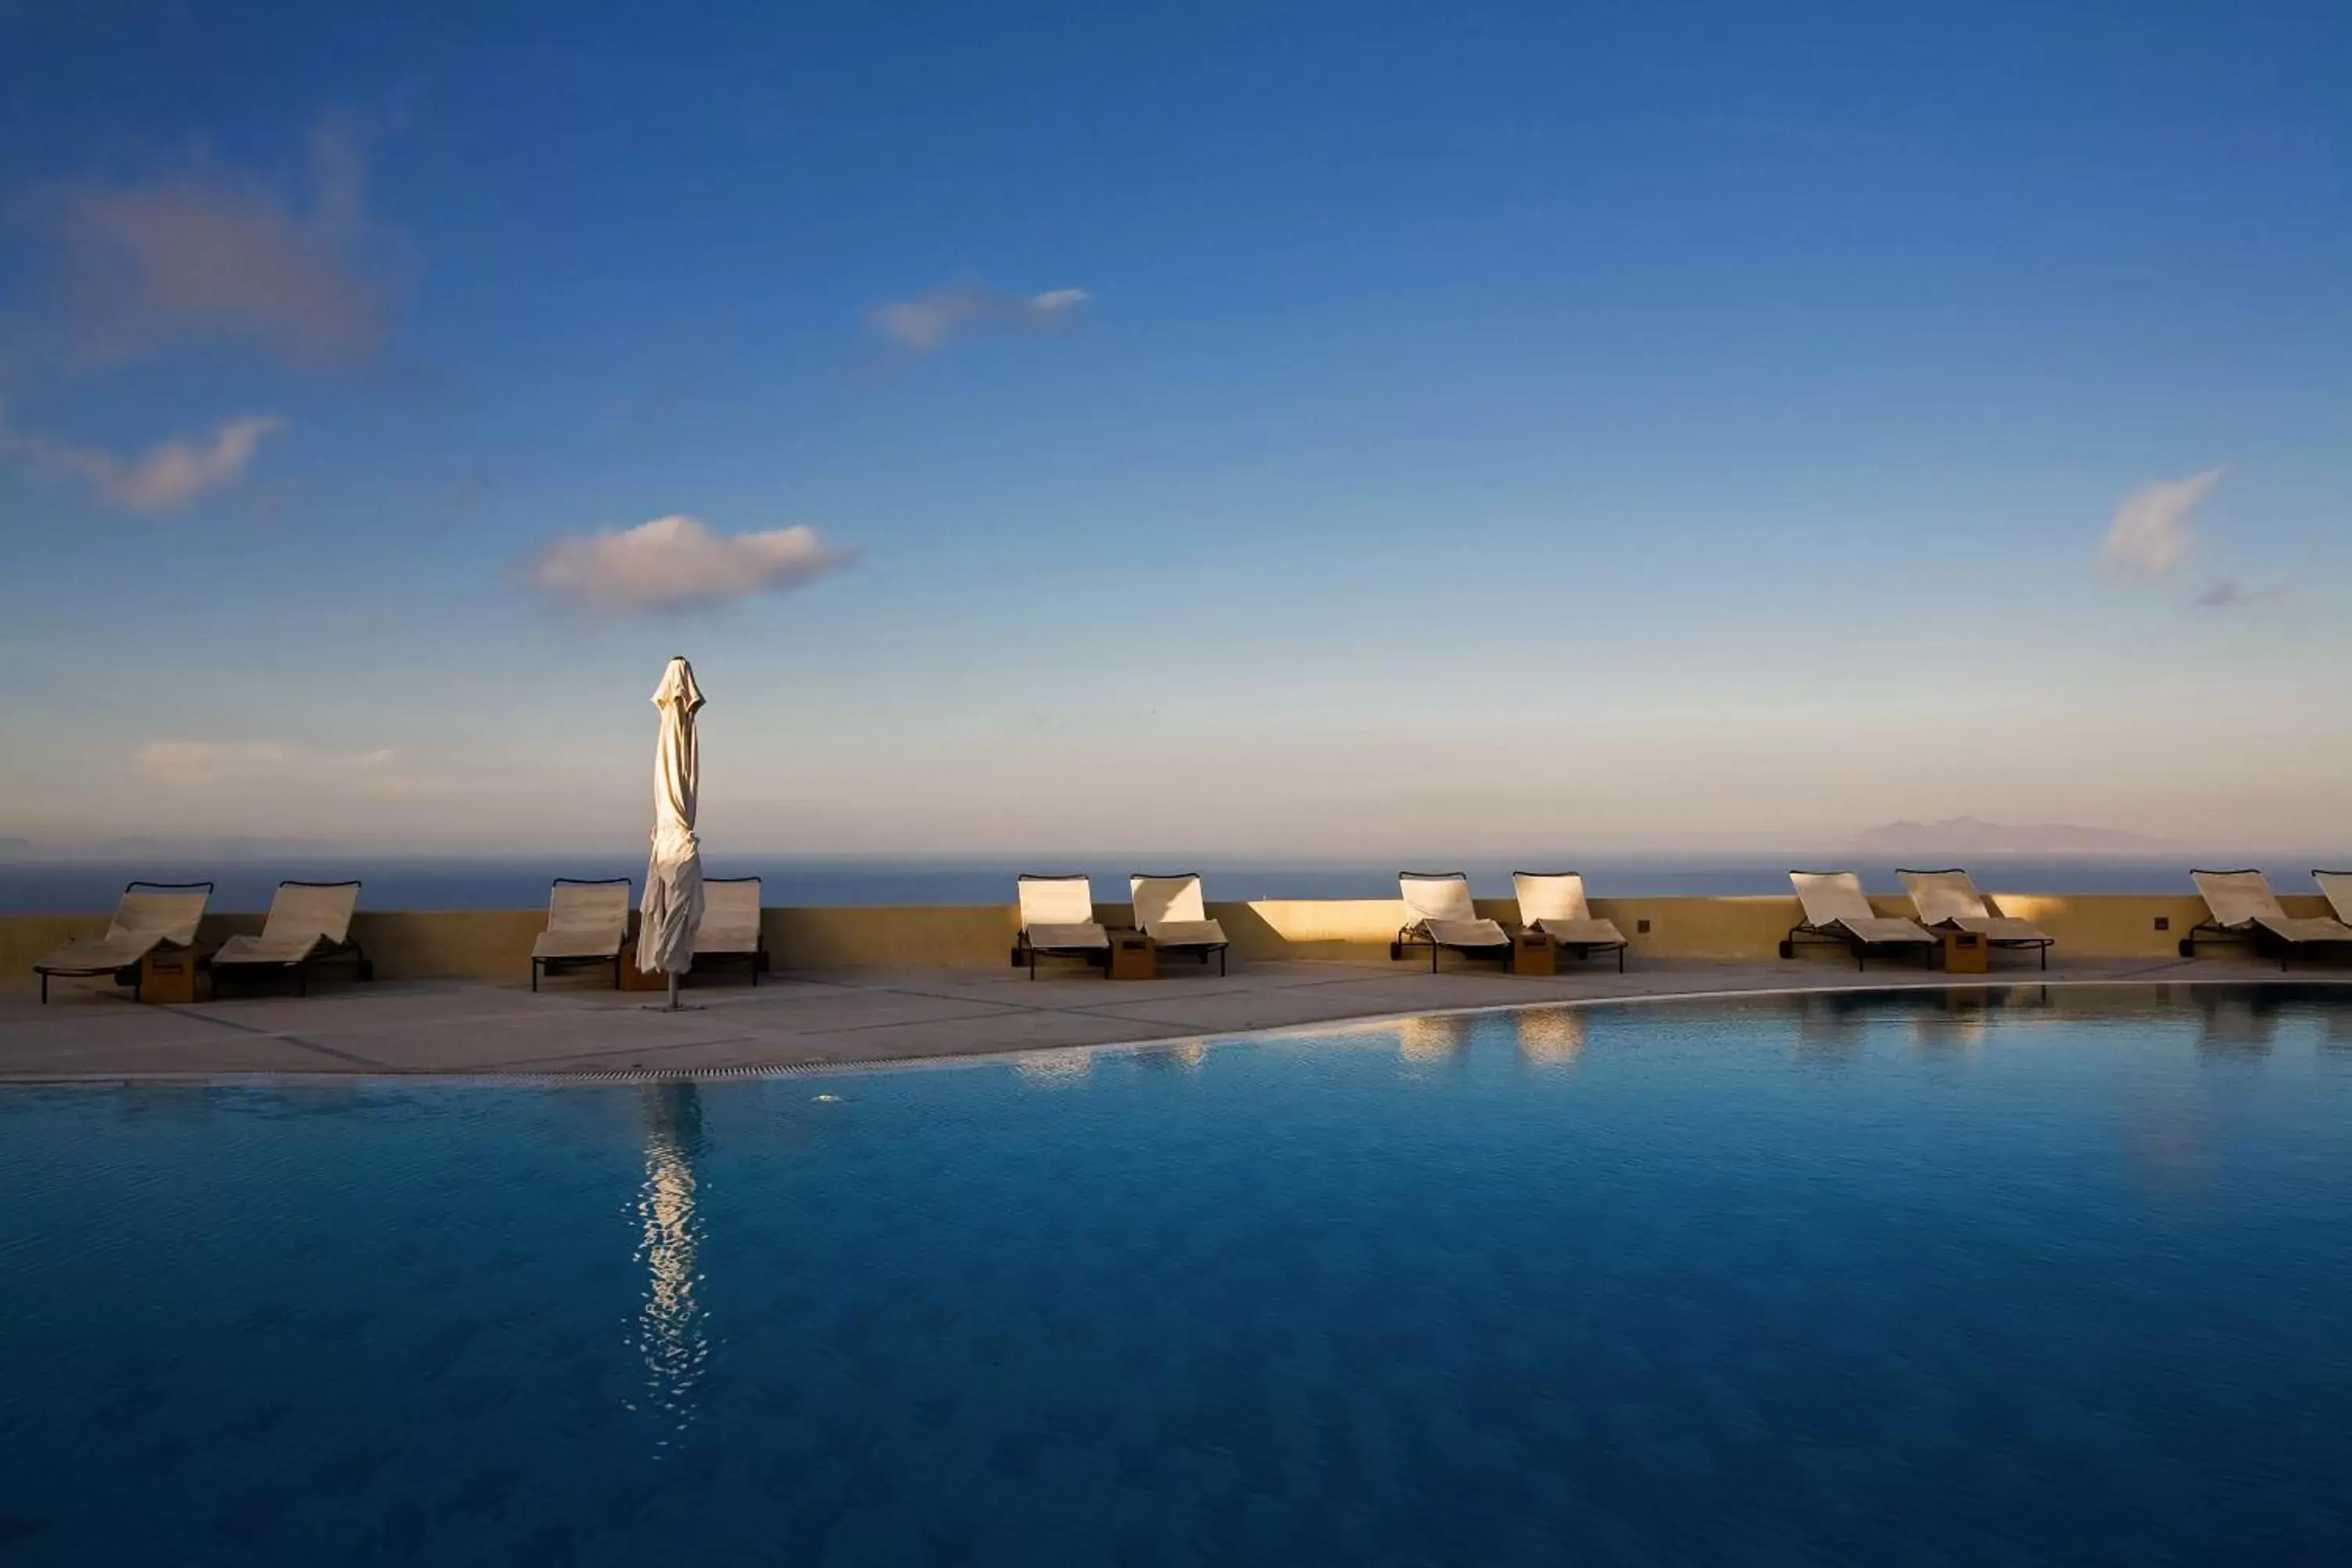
(1407, 936)
(755, 958)
(119, 971)
(1026, 953)
(2042, 944)
(1582, 950)
(2253, 934)
(539, 966)
(362, 966)
(1837, 935)
(1201, 948)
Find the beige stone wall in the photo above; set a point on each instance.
(495, 945)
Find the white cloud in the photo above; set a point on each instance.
(166, 478)
(929, 321)
(678, 564)
(2152, 532)
(1055, 302)
(206, 253)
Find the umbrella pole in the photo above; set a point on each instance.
(673, 990)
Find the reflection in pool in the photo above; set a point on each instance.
(2029, 1274)
(670, 1325)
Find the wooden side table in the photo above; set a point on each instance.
(1532, 952)
(1965, 952)
(1133, 956)
(168, 976)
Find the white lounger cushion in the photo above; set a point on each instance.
(2003, 927)
(1439, 908)
(2243, 899)
(2318, 927)
(99, 955)
(142, 921)
(1188, 933)
(1950, 897)
(1059, 913)
(1465, 933)
(1583, 933)
(584, 920)
(1836, 899)
(1553, 903)
(731, 917)
(1052, 937)
(1171, 913)
(302, 919)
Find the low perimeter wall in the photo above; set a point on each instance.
(496, 943)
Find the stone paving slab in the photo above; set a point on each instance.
(376, 1006)
(473, 1027)
(125, 1025)
(519, 1045)
(1228, 1013)
(1076, 989)
(212, 1054)
(799, 1009)
(1012, 1032)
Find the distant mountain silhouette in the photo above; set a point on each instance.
(1967, 836)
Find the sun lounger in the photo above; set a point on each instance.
(1439, 915)
(1168, 910)
(1057, 918)
(2245, 910)
(150, 915)
(587, 925)
(729, 932)
(2335, 887)
(1948, 898)
(1837, 911)
(308, 921)
(1553, 902)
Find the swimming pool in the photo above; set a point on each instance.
(2034, 1275)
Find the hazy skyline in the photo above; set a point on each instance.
(1198, 428)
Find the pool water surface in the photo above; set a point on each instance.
(2038, 1275)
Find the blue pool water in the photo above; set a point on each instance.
(2039, 1275)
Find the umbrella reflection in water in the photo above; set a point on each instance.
(671, 1331)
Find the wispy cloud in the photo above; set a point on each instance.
(170, 476)
(2228, 594)
(675, 563)
(184, 763)
(930, 321)
(208, 253)
(163, 479)
(2153, 529)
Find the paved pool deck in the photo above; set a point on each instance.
(92, 1032)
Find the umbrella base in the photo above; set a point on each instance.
(673, 1004)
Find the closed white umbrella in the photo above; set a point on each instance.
(672, 907)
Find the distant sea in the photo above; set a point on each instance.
(243, 883)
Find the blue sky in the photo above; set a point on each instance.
(1352, 430)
